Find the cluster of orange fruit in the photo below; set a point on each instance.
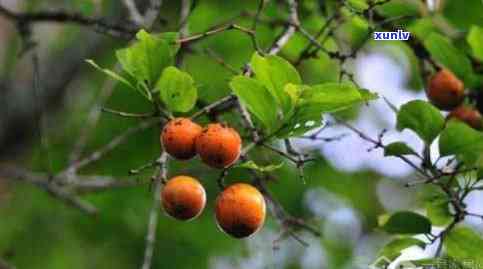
(447, 93)
(240, 208)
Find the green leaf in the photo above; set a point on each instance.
(319, 99)
(294, 91)
(444, 52)
(274, 73)
(331, 97)
(367, 95)
(177, 90)
(257, 99)
(111, 74)
(146, 59)
(462, 141)
(422, 118)
(303, 120)
(400, 8)
(398, 149)
(353, 32)
(437, 205)
(393, 249)
(421, 28)
(439, 263)
(358, 5)
(462, 17)
(438, 211)
(406, 222)
(463, 244)
(172, 39)
(475, 39)
(85, 7)
(264, 169)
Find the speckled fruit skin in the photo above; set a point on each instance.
(183, 198)
(240, 210)
(468, 115)
(179, 138)
(445, 90)
(218, 145)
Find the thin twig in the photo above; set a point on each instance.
(286, 221)
(143, 167)
(94, 184)
(221, 61)
(152, 13)
(289, 31)
(134, 13)
(184, 15)
(306, 51)
(45, 183)
(98, 24)
(281, 153)
(276, 47)
(93, 117)
(154, 212)
(300, 161)
(245, 115)
(128, 114)
(207, 109)
(324, 139)
(197, 37)
(256, 19)
(183, 30)
(99, 153)
(379, 144)
(221, 179)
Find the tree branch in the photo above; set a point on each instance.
(152, 13)
(215, 31)
(184, 14)
(286, 221)
(99, 153)
(134, 13)
(100, 25)
(207, 109)
(289, 31)
(378, 144)
(128, 114)
(5, 265)
(154, 213)
(49, 186)
(108, 87)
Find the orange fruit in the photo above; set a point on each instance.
(183, 198)
(240, 210)
(178, 138)
(445, 90)
(218, 145)
(468, 115)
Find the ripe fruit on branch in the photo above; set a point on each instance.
(178, 138)
(183, 198)
(445, 90)
(468, 115)
(218, 145)
(240, 210)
